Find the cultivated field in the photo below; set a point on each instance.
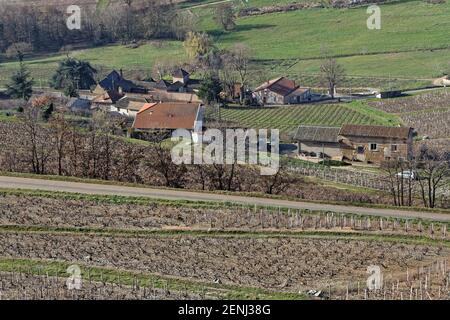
(428, 113)
(288, 118)
(29, 286)
(159, 250)
(286, 264)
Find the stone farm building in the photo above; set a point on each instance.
(281, 91)
(356, 143)
(319, 142)
(375, 144)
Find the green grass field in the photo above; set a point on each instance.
(409, 51)
(288, 118)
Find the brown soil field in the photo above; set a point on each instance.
(37, 211)
(20, 286)
(33, 211)
(284, 264)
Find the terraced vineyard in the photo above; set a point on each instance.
(288, 118)
(162, 250)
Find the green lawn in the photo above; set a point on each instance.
(104, 58)
(307, 34)
(288, 118)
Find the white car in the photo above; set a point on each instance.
(408, 174)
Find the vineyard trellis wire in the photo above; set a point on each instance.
(24, 284)
(427, 282)
(361, 179)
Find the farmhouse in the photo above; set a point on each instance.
(355, 143)
(318, 142)
(116, 82)
(181, 89)
(281, 91)
(375, 144)
(169, 117)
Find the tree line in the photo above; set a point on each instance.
(40, 28)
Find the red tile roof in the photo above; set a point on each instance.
(281, 86)
(146, 106)
(167, 116)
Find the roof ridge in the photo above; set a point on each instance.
(147, 106)
(312, 126)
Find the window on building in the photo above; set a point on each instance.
(394, 148)
(373, 147)
(360, 150)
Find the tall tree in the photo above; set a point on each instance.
(36, 144)
(332, 74)
(128, 20)
(73, 72)
(225, 17)
(239, 61)
(60, 131)
(21, 85)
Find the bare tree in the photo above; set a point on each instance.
(401, 184)
(434, 174)
(183, 22)
(159, 158)
(239, 60)
(225, 17)
(60, 131)
(129, 20)
(279, 182)
(332, 74)
(222, 176)
(164, 67)
(36, 142)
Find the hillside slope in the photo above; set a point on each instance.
(410, 50)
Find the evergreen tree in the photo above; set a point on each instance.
(21, 85)
(71, 91)
(73, 72)
(47, 111)
(210, 89)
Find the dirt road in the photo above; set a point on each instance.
(100, 189)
